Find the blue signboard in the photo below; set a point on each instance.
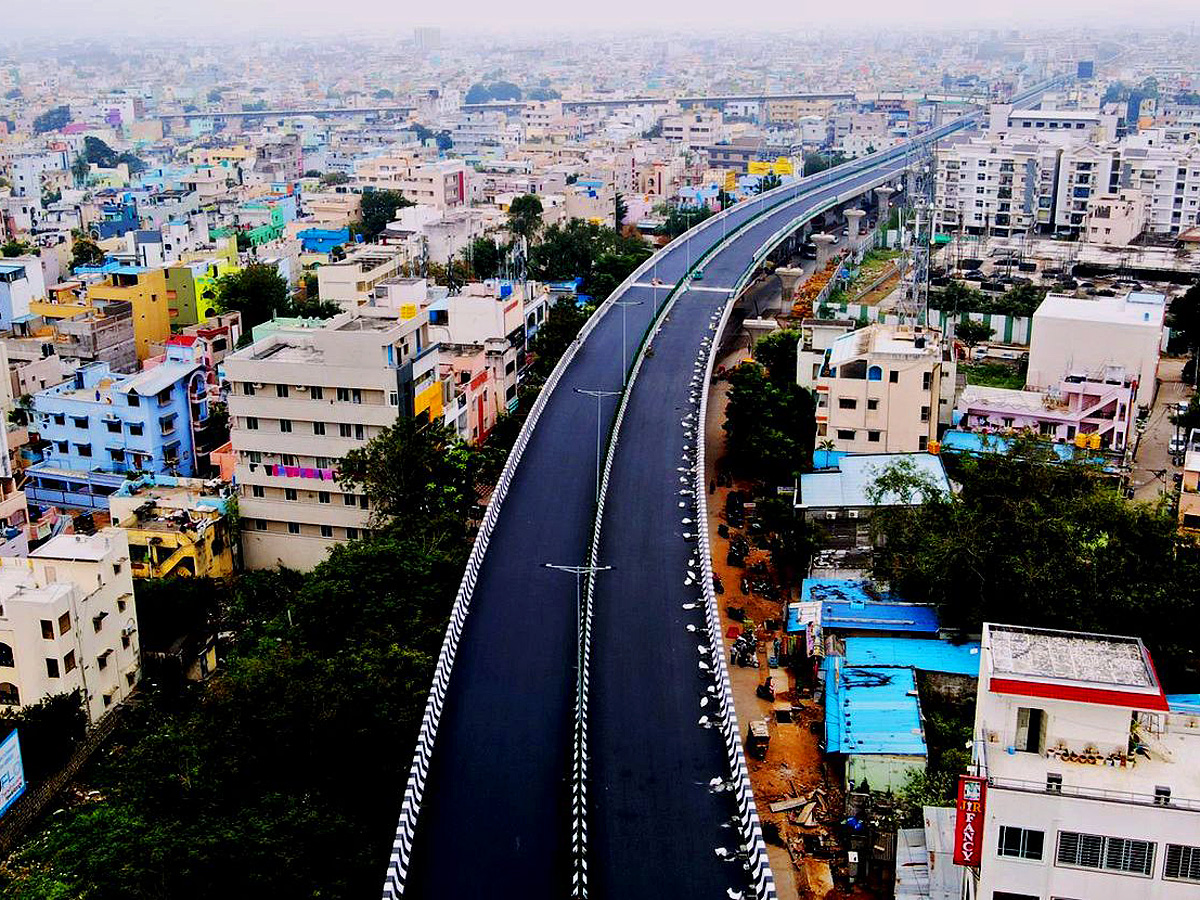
(12, 773)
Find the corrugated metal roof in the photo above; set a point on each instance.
(871, 710)
(848, 484)
(926, 654)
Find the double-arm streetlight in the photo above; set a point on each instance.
(599, 395)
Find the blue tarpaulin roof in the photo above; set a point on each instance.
(926, 654)
(849, 605)
(1184, 703)
(871, 709)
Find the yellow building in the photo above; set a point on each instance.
(177, 527)
(146, 291)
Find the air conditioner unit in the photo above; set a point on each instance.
(300, 387)
(830, 514)
(127, 631)
(852, 514)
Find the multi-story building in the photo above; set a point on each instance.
(146, 292)
(1096, 414)
(1092, 776)
(68, 622)
(352, 280)
(1169, 178)
(1089, 124)
(1105, 339)
(300, 399)
(1084, 172)
(177, 527)
(695, 128)
(885, 388)
(101, 422)
(816, 337)
(999, 187)
(1115, 219)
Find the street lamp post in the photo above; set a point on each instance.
(599, 395)
(624, 364)
(578, 572)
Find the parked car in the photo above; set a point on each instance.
(1178, 445)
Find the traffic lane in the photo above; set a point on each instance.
(655, 824)
(497, 791)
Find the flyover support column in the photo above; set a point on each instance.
(854, 219)
(790, 279)
(883, 198)
(824, 244)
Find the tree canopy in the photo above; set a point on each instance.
(1036, 541)
(97, 152)
(681, 218)
(525, 217)
(597, 254)
(86, 252)
(378, 209)
(971, 332)
(52, 120)
(495, 91)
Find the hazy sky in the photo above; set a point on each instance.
(77, 17)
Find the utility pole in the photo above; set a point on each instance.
(599, 395)
(624, 364)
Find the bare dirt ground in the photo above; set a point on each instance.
(801, 854)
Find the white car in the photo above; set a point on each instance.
(1178, 445)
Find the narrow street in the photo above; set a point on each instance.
(1152, 472)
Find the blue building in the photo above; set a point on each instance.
(322, 240)
(117, 218)
(103, 423)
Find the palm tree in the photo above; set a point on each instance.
(80, 169)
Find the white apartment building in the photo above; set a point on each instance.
(1092, 777)
(1002, 187)
(1169, 178)
(694, 128)
(1113, 220)
(300, 399)
(68, 622)
(1088, 124)
(816, 337)
(1114, 339)
(352, 280)
(884, 388)
(1084, 171)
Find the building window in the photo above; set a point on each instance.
(6, 656)
(873, 437)
(133, 399)
(393, 398)
(112, 427)
(1183, 863)
(51, 667)
(136, 429)
(847, 403)
(1022, 843)
(924, 413)
(348, 500)
(247, 389)
(1093, 851)
(875, 373)
(872, 404)
(316, 393)
(84, 450)
(318, 427)
(256, 490)
(281, 390)
(69, 662)
(322, 496)
(293, 527)
(289, 493)
(894, 376)
(251, 423)
(1031, 730)
(845, 434)
(47, 629)
(9, 695)
(326, 531)
(117, 455)
(260, 524)
(285, 426)
(64, 623)
(359, 433)
(344, 430)
(287, 459)
(351, 534)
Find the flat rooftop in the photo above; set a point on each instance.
(872, 710)
(1048, 655)
(1143, 308)
(284, 352)
(88, 547)
(849, 484)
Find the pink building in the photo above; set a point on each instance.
(1072, 411)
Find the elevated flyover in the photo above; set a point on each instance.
(561, 744)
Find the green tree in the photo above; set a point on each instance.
(682, 218)
(1183, 318)
(777, 352)
(525, 217)
(620, 210)
(86, 252)
(12, 247)
(80, 169)
(769, 425)
(819, 162)
(378, 209)
(334, 178)
(258, 292)
(485, 255)
(768, 183)
(957, 297)
(971, 332)
(52, 120)
(416, 472)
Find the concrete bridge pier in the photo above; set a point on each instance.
(790, 279)
(824, 244)
(854, 218)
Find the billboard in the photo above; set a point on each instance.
(12, 773)
(968, 823)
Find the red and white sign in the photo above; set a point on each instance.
(968, 825)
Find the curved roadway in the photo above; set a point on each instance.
(494, 819)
